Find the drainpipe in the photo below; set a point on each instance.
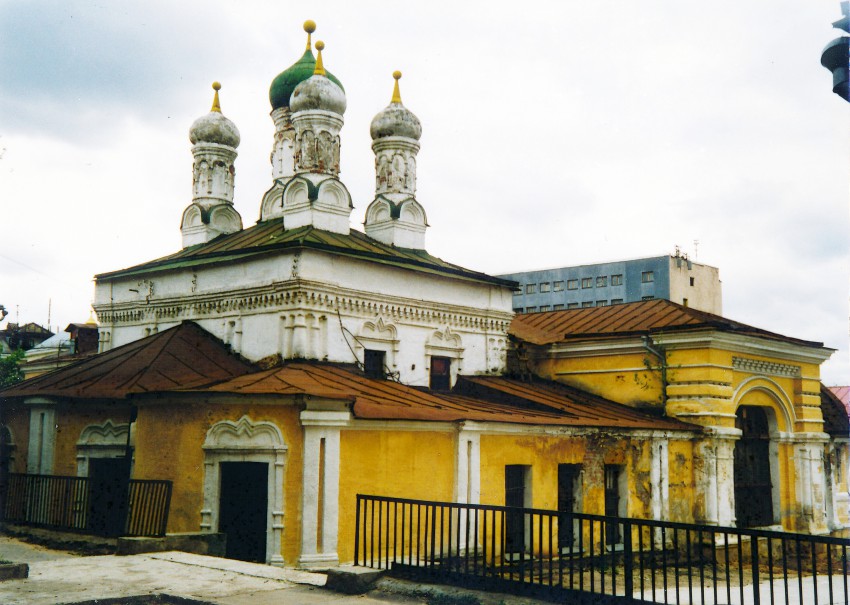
(661, 354)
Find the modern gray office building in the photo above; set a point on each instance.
(675, 278)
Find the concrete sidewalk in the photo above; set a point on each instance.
(211, 579)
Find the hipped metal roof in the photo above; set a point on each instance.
(270, 236)
(188, 359)
(183, 356)
(629, 319)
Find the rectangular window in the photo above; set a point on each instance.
(692, 281)
(558, 286)
(572, 305)
(587, 304)
(519, 310)
(374, 363)
(544, 286)
(684, 302)
(544, 308)
(518, 292)
(586, 282)
(441, 373)
(647, 297)
(616, 301)
(601, 303)
(531, 309)
(617, 280)
(530, 288)
(601, 281)
(557, 307)
(572, 284)
(647, 277)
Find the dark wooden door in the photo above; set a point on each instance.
(109, 480)
(567, 479)
(612, 502)
(753, 488)
(515, 497)
(243, 509)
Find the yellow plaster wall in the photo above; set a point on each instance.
(169, 446)
(623, 378)
(544, 453)
(405, 464)
(681, 495)
(17, 418)
(71, 420)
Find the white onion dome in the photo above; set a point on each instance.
(318, 92)
(214, 127)
(395, 120)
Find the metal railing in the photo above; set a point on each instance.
(65, 503)
(597, 559)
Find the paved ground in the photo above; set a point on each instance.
(58, 577)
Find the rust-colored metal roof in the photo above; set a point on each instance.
(183, 356)
(644, 317)
(488, 399)
(271, 236)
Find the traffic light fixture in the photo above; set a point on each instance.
(836, 56)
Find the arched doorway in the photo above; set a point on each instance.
(242, 460)
(752, 470)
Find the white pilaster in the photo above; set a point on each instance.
(42, 438)
(322, 422)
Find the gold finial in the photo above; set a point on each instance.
(216, 106)
(320, 68)
(309, 27)
(396, 94)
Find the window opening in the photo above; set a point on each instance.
(374, 363)
(441, 373)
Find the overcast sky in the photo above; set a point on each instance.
(554, 133)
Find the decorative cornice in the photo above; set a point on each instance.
(758, 366)
(305, 294)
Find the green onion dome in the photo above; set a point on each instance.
(284, 84)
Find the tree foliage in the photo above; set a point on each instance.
(10, 368)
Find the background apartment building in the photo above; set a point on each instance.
(675, 278)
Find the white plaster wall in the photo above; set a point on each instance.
(297, 305)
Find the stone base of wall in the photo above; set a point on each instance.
(14, 571)
(212, 544)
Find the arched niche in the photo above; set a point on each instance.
(107, 440)
(246, 441)
(766, 392)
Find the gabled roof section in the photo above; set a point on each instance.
(630, 319)
(483, 399)
(270, 236)
(182, 356)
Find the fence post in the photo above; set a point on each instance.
(628, 562)
(357, 532)
(754, 561)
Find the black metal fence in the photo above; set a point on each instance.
(597, 559)
(67, 503)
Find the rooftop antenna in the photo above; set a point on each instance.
(49, 308)
(696, 249)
